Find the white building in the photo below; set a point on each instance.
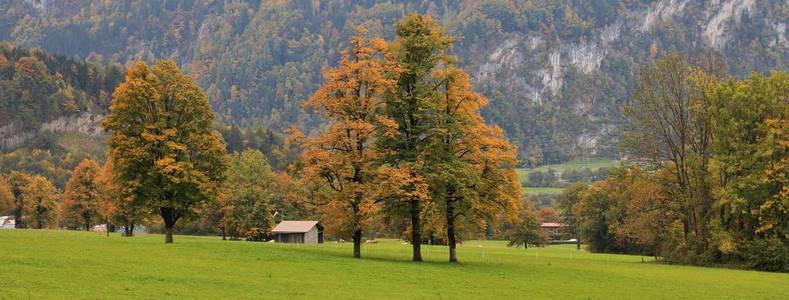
(7, 222)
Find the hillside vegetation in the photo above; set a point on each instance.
(57, 264)
(556, 71)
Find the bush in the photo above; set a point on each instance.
(768, 255)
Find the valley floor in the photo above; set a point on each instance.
(58, 264)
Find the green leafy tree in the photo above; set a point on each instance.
(162, 141)
(17, 180)
(567, 200)
(526, 229)
(419, 47)
(247, 204)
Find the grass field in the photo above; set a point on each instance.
(542, 190)
(592, 164)
(59, 264)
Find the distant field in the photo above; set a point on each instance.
(58, 264)
(542, 190)
(592, 164)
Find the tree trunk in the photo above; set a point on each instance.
(357, 243)
(416, 231)
(128, 230)
(18, 218)
(451, 229)
(577, 236)
(168, 216)
(168, 234)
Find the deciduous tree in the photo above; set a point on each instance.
(344, 157)
(81, 196)
(526, 229)
(247, 207)
(410, 110)
(40, 202)
(17, 181)
(162, 141)
(7, 201)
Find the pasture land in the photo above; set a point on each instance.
(542, 190)
(60, 264)
(592, 164)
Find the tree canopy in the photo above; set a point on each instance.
(162, 143)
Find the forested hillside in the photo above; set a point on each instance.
(556, 71)
(50, 108)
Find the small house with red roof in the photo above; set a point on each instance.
(551, 230)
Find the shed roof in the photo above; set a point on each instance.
(551, 225)
(294, 226)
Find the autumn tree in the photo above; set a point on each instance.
(468, 164)
(643, 212)
(108, 195)
(117, 202)
(162, 141)
(410, 109)
(548, 214)
(7, 201)
(81, 196)
(246, 206)
(17, 181)
(40, 202)
(344, 156)
(670, 123)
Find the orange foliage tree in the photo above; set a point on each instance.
(343, 157)
(80, 198)
(470, 165)
(7, 202)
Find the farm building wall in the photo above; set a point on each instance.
(311, 237)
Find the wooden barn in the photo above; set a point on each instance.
(300, 232)
(551, 230)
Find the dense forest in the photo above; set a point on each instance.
(556, 71)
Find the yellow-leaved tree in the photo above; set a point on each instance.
(81, 196)
(162, 142)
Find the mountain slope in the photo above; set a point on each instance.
(556, 71)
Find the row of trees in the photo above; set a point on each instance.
(406, 139)
(718, 193)
(36, 203)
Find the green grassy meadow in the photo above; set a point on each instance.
(61, 264)
(542, 190)
(592, 164)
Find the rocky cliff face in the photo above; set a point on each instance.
(13, 136)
